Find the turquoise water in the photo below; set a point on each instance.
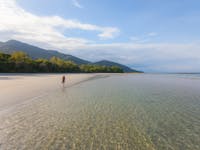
(131, 111)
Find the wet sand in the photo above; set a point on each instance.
(17, 88)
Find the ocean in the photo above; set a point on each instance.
(122, 111)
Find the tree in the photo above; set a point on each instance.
(20, 62)
(19, 57)
(4, 57)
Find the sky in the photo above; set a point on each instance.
(148, 35)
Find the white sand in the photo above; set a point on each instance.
(21, 87)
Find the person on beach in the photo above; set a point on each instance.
(63, 80)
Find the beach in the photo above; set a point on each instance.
(100, 111)
(17, 88)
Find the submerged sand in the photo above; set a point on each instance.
(17, 88)
(125, 111)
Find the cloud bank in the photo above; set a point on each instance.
(150, 57)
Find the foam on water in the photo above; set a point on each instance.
(118, 112)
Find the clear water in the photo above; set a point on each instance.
(138, 111)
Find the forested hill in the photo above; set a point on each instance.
(35, 52)
(19, 62)
(110, 63)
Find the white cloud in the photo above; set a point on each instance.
(19, 24)
(143, 38)
(152, 34)
(109, 33)
(77, 4)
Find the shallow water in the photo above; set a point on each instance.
(135, 111)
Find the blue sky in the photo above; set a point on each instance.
(150, 35)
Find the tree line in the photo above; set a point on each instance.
(20, 62)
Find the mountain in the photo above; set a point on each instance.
(110, 63)
(36, 52)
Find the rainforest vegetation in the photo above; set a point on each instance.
(20, 62)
